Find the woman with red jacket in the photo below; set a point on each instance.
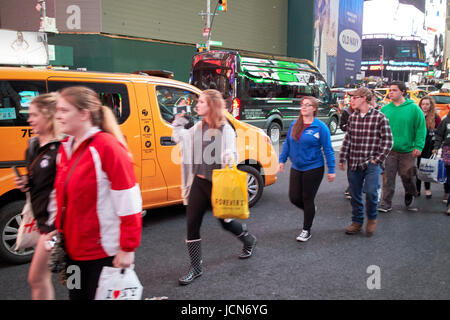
(99, 205)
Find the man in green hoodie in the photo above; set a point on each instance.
(408, 128)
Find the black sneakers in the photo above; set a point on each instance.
(409, 203)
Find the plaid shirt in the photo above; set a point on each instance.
(367, 138)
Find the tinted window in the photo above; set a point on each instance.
(113, 95)
(172, 101)
(441, 99)
(15, 99)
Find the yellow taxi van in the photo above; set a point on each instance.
(144, 107)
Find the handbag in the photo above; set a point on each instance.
(118, 284)
(28, 234)
(432, 170)
(59, 257)
(229, 195)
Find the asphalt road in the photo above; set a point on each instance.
(407, 258)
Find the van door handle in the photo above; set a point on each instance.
(167, 141)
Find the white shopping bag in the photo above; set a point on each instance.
(118, 284)
(432, 170)
(28, 234)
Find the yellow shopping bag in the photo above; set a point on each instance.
(229, 196)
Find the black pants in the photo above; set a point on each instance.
(303, 188)
(90, 273)
(198, 203)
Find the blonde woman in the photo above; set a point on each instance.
(41, 165)
(98, 199)
(213, 134)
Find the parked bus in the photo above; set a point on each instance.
(263, 91)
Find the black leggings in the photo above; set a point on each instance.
(198, 203)
(303, 186)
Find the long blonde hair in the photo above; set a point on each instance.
(430, 118)
(101, 116)
(216, 115)
(299, 124)
(46, 105)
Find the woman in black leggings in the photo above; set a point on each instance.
(307, 141)
(208, 145)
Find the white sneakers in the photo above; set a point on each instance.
(304, 236)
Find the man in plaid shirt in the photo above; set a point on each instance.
(366, 145)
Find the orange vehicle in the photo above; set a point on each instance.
(414, 95)
(144, 107)
(442, 100)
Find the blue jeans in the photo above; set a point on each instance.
(367, 180)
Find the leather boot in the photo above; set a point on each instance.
(353, 228)
(195, 254)
(249, 242)
(371, 227)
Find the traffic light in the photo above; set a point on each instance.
(223, 5)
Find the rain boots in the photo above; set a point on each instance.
(195, 254)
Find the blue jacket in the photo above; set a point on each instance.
(306, 153)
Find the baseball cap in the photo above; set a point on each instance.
(362, 92)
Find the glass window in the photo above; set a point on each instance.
(113, 95)
(172, 101)
(15, 99)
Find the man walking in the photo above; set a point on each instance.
(407, 123)
(366, 145)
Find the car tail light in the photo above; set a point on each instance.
(236, 108)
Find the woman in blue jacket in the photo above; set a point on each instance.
(307, 141)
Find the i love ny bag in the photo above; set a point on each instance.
(28, 234)
(118, 284)
(229, 196)
(432, 170)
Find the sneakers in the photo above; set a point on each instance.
(304, 236)
(448, 211)
(354, 228)
(347, 193)
(445, 198)
(409, 203)
(384, 208)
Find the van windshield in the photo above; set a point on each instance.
(214, 70)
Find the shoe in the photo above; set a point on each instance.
(428, 194)
(304, 236)
(249, 242)
(370, 227)
(448, 211)
(354, 228)
(445, 198)
(195, 254)
(409, 203)
(384, 208)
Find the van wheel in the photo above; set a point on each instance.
(333, 125)
(10, 218)
(255, 184)
(274, 132)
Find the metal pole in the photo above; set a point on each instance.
(381, 62)
(208, 22)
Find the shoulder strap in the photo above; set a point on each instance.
(63, 213)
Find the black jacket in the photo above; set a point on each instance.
(41, 177)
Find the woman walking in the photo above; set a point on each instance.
(306, 139)
(432, 121)
(211, 144)
(98, 199)
(40, 158)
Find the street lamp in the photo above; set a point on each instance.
(381, 62)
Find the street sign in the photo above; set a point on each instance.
(215, 43)
(206, 31)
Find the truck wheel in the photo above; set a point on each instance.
(333, 125)
(10, 218)
(255, 184)
(274, 132)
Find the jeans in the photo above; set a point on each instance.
(367, 180)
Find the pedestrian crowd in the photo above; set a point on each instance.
(82, 183)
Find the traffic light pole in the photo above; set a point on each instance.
(208, 22)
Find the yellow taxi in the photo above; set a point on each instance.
(144, 107)
(442, 101)
(414, 95)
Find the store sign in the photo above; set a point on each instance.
(78, 15)
(350, 41)
(23, 48)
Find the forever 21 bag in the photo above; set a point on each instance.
(432, 170)
(28, 234)
(229, 196)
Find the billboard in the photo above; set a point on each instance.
(349, 41)
(23, 48)
(337, 39)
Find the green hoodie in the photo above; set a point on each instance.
(407, 124)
